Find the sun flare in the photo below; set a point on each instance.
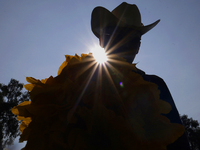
(99, 54)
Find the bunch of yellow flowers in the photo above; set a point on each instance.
(95, 106)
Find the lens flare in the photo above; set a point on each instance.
(121, 84)
(99, 54)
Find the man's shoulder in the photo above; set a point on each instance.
(151, 77)
(162, 86)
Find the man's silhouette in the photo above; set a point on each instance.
(119, 33)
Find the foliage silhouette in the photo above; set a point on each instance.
(193, 131)
(10, 96)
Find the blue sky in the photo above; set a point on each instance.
(35, 36)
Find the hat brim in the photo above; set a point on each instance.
(101, 18)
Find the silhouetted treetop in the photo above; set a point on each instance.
(10, 96)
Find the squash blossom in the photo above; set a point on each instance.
(91, 106)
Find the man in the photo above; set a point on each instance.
(119, 33)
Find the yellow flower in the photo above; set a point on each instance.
(90, 106)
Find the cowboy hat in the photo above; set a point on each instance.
(124, 15)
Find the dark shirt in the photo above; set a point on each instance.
(174, 117)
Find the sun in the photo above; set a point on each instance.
(99, 54)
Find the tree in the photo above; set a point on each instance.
(10, 96)
(193, 131)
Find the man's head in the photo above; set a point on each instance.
(124, 42)
(120, 31)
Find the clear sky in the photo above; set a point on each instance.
(35, 36)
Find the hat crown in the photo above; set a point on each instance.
(128, 14)
(125, 15)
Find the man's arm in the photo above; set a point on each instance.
(174, 117)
